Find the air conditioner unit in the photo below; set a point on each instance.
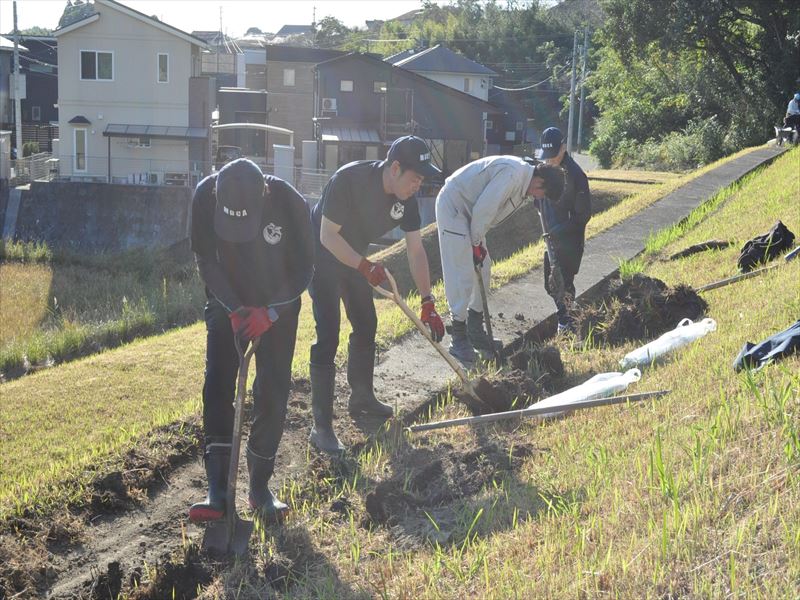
(329, 105)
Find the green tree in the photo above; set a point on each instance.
(331, 32)
(756, 41)
(36, 30)
(680, 83)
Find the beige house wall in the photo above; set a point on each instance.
(134, 96)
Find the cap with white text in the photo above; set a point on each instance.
(412, 153)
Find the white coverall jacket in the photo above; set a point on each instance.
(476, 197)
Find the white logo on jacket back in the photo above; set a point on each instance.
(397, 211)
(273, 233)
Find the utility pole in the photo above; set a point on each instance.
(17, 99)
(572, 91)
(583, 86)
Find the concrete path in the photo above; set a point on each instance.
(412, 368)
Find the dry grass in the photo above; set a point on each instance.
(23, 301)
(693, 495)
(54, 423)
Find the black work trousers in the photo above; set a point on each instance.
(273, 360)
(332, 282)
(569, 252)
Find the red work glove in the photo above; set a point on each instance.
(373, 272)
(250, 322)
(478, 254)
(432, 319)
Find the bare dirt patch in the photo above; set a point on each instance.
(438, 482)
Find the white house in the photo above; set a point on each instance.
(448, 68)
(133, 106)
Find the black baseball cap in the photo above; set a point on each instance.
(412, 153)
(552, 138)
(240, 201)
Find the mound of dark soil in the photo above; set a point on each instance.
(503, 391)
(638, 308)
(533, 372)
(541, 362)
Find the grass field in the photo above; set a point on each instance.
(47, 438)
(694, 495)
(58, 307)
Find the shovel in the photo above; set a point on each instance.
(486, 317)
(231, 535)
(533, 411)
(729, 280)
(398, 299)
(558, 294)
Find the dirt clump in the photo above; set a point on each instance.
(637, 308)
(107, 585)
(533, 372)
(541, 362)
(178, 577)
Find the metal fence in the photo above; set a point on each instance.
(132, 171)
(36, 167)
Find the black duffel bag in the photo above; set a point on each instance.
(764, 248)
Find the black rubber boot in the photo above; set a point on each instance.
(261, 499)
(217, 460)
(323, 387)
(478, 338)
(360, 372)
(460, 346)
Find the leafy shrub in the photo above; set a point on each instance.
(29, 148)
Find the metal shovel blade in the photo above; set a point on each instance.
(220, 537)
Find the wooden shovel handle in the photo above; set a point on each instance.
(398, 299)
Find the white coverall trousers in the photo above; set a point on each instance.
(460, 281)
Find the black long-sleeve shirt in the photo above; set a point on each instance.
(568, 217)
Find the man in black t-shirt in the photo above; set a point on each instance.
(361, 203)
(252, 238)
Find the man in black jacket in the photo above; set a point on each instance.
(565, 219)
(362, 202)
(252, 239)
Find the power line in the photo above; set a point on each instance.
(38, 62)
(533, 85)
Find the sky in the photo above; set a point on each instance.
(237, 15)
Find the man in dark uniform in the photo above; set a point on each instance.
(565, 219)
(362, 202)
(252, 238)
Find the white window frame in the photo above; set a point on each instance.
(36, 113)
(96, 67)
(75, 150)
(379, 90)
(158, 67)
(289, 78)
(344, 84)
(466, 84)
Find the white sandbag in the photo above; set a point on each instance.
(685, 333)
(601, 385)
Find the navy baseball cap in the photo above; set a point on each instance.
(552, 138)
(240, 201)
(412, 153)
